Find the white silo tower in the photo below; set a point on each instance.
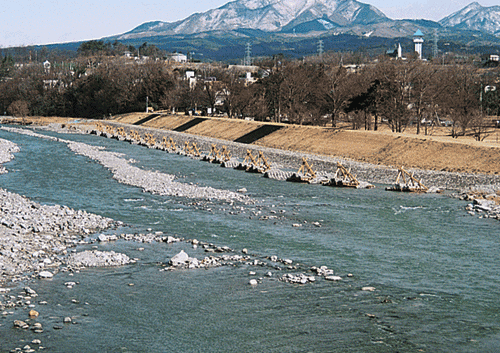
(418, 39)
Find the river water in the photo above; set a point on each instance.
(434, 268)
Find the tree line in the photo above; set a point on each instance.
(100, 82)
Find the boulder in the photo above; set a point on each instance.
(102, 238)
(45, 274)
(21, 324)
(180, 259)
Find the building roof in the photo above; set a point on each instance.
(418, 33)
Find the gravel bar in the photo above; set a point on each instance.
(153, 182)
(34, 238)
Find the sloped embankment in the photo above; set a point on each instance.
(422, 152)
(436, 153)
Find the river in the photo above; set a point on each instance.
(433, 267)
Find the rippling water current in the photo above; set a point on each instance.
(434, 267)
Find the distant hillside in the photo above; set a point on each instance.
(475, 17)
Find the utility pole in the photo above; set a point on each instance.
(147, 101)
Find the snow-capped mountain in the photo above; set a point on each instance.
(475, 17)
(268, 16)
(294, 26)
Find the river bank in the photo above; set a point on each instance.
(467, 186)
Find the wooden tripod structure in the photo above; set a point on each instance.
(226, 154)
(307, 171)
(410, 183)
(345, 178)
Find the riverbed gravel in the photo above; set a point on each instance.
(33, 237)
(7, 150)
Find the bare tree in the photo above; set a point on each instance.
(460, 96)
(19, 108)
(338, 89)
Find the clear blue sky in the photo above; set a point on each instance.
(31, 22)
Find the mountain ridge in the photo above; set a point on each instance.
(266, 15)
(311, 15)
(294, 27)
(475, 17)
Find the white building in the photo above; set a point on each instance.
(418, 39)
(178, 57)
(46, 65)
(190, 76)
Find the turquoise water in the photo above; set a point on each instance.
(433, 266)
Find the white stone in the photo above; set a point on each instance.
(193, 262)
(179, 259)
(253, 282)
(45, 274)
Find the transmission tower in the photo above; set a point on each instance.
(435, 45)
(248, 55)
(320, 48)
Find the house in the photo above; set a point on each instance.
(190, 76)
(249, 79)
(178, 57)
(396, 53)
